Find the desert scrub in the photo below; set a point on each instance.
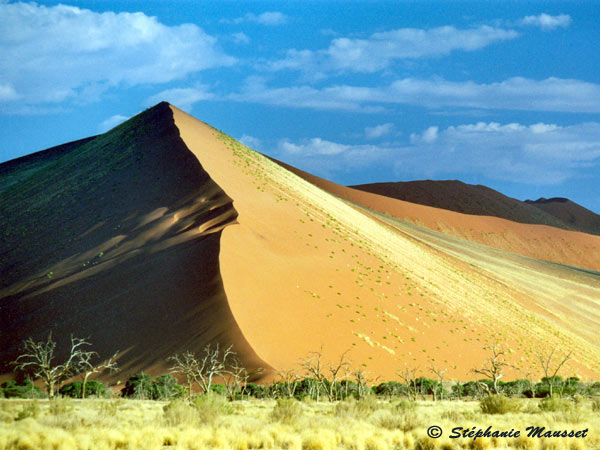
(498, 404)
(286, 410)
(555, 403)
(179, 412)
(358, 409)
(212, 406)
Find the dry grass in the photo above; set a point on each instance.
(367, 424)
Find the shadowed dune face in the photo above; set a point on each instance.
(118, 240)
(304, 270)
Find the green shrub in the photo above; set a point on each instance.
(75, 389)
(138, 386)
(11, 389)
(211, 406)
(555, 403)
(286, 410)
(165, 387)
(256, 390)
(499, 404)
(596, 404)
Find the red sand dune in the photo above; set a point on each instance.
(180, 236)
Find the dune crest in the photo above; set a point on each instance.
(304, 271)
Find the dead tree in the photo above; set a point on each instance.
(440, 374)
(289, 380)
(494, 366)
(409, 376)
(551, 366)
(88, 368)
(362, 382)
(314, 370)
(338, 372)
(202, 371)
(37, 357)
(235, 378)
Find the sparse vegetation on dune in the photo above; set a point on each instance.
(277, 424)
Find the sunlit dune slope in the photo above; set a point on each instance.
(536, 241)
(305, 271)
(116, 239)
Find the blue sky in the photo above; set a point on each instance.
(505, 94)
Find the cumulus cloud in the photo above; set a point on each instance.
(379, 50)
(540, 153)
(183, 98)
(547, 22)
(251, 141)
(58, 53)
(112, 122)
(269, 18)
(326, 158)
(379, 130)
(536, 154)
(551, 94)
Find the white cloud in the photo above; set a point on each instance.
(183, 98)
(251, 141)
(540, 154)
(429, 135)
(379, 50)
(269, 18)
(379, 130)
(112, 122)
(551, 94)
(537, 154)
(325, 157)
(7, 92)
(53, 54)
(240, 38)
(547, 22)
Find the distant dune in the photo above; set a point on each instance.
(165, 234)
(480, 200)
(570, 213)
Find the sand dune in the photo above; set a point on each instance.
(304, 270)
(165, 234)
(536, 241)
(118, 241)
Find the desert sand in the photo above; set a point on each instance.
(164, 235)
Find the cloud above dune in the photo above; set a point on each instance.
(517, 93)
(536, 154)
(65, 53)
(268, 18)
(547, 22)
(380, 50)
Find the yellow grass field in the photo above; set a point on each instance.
(284, 424)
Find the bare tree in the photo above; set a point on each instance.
(289, 381)
(338, 372)
(409, 376)
(235, 378)
(87, 368)
(550, 365)
(202, 370)
(37, 357)
(493, 367)
(362, 382)
(314, 369)
(440, 374)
